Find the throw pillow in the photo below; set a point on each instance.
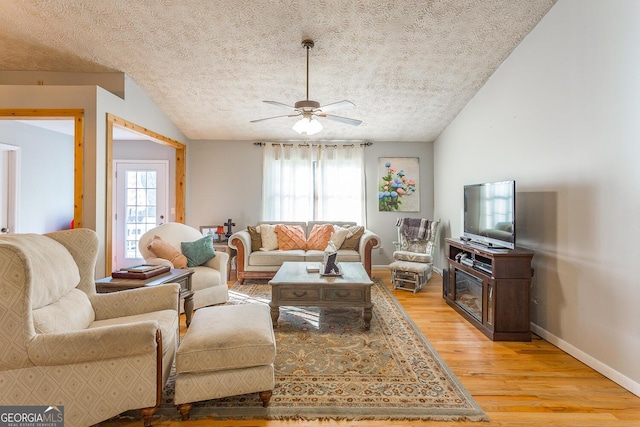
(198, 252)
(256, 240)
(319, 236)
(163, 249)
(291, 237)
(339, 235)
(269, 237)
(352, 242)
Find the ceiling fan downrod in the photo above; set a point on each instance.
(307, 105)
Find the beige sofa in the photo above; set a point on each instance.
(97, 355)
(264, 264)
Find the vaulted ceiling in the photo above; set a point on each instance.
(409, 66)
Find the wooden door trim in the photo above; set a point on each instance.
(78, 143)
(180, 178)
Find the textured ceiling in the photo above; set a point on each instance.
(409, 66)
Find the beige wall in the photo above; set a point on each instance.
(560, 117)
(225, 181)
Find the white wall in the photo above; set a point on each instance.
(225, 181)
(45, 198)
(560, 117)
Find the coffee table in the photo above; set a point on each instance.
(175, 275)
(294, 286)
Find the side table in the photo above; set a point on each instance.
(176, 275)
(224, 247)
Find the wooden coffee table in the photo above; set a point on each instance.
(294, 286)
(176, 275)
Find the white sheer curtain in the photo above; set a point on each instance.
(304, 182)
(340, 183)
(287, 184)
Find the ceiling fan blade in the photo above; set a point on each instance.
(346, 120)
(280, 104)
(336, 106)
(274, 117)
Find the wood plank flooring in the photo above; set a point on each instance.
(517, 384)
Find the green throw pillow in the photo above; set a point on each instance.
(198, 252)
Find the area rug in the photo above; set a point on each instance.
(328, 367)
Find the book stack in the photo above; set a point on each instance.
(144, 271)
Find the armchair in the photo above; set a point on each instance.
(209, 280)
(97, 355)
(412, 264)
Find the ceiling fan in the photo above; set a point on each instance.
(308, 110)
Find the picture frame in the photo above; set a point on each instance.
(213, 230)
(398, 184)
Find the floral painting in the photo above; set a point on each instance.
(398, 184)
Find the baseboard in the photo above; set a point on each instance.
(607, 371)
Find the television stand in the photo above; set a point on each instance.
(489, 287)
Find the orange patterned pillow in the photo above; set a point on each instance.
(319, 236)
(290, 237)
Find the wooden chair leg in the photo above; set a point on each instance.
(184, 409)
(147, 414)
(265, 396)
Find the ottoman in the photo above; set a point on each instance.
(410, 276)
(227, 351)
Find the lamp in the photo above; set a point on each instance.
(307, 124)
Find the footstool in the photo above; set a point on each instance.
(228, 350)
(410, 276)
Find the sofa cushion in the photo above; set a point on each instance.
(71, 312)
(338, 236)
(343, 256)
(256, 239)
(53, 270)
(269, 237)
(319, 236)
(163, 249)
(198, 252)
(352, 242)
(290, 237)
(269, 258)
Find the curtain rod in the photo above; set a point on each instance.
(291, 144)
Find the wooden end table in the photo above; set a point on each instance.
(176, 275)
(294, 286)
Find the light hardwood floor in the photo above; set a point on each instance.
(517, 384)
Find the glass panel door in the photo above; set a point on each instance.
(141, 204)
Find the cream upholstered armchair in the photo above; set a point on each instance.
(62, 344)
(209, 280)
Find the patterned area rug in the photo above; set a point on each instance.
(327, 367)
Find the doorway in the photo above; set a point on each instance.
(179, 180)
(9, 166)
(141, 203)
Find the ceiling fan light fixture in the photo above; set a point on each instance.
(308, 126)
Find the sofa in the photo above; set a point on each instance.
(261, 259)
(97, 355)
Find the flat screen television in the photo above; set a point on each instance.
(490, 214)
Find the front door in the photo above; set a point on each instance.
(141, 203)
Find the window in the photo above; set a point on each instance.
(303, 182)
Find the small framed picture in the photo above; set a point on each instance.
(209, 230)
(217, 231)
